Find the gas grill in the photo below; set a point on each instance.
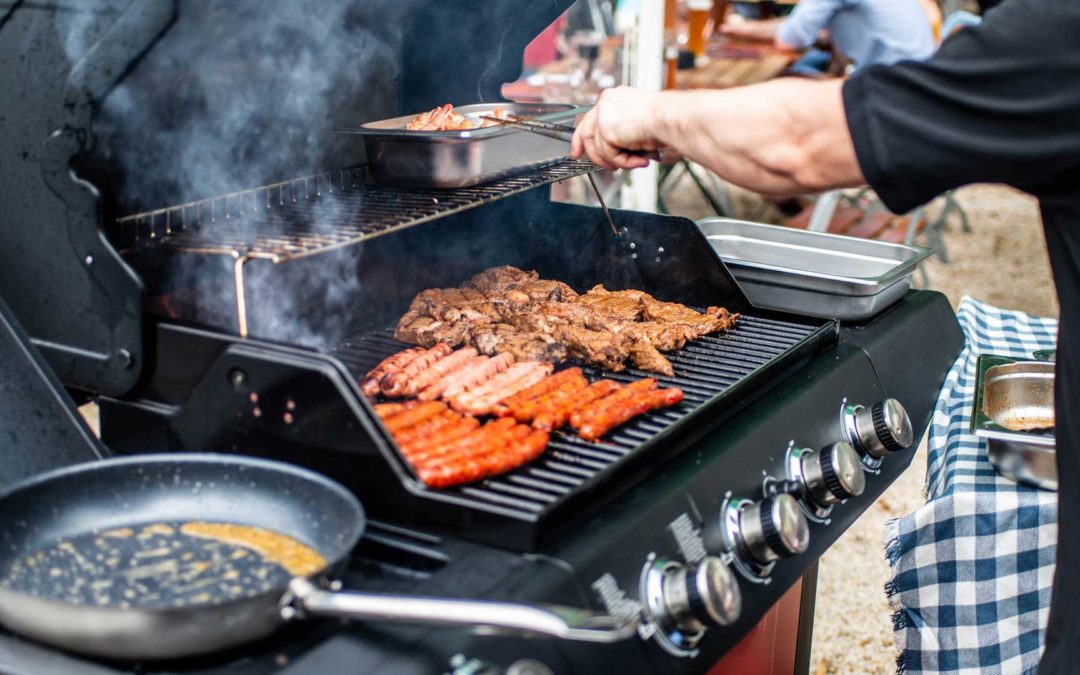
(243, 323)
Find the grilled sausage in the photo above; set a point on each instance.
(613, 416)
(385, 410)
(627, 393)
(433, 373)
(478, 401)
(424, 444)
(447, 448)
(370, 384)
(474, 377)
(394, 383)
(557, 416)
(427, 427)
(470, 469)
(436, 388)
(503, 408)
(416, 415)
(528, 410)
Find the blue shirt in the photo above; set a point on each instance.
(865, 31)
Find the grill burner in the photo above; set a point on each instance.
(715, 372)
(306, 216)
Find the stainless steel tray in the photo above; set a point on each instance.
(454, 159)
(1007, 390)
(812, 273)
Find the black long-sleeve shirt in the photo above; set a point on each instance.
(999, 103)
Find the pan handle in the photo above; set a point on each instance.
(567, 623)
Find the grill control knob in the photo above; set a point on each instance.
(833, 474)
(701, 595)
(772, 528)
(880, 429)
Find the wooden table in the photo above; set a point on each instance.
(729, 63)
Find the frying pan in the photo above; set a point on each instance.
(81, 502)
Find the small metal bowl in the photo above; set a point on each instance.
(1014, 412)
(1020, 396)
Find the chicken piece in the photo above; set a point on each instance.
(602, 349)
(498, 280)
(624, 305)
(646, 357)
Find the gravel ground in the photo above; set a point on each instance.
(1003, 261)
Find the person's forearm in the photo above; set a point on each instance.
(783, 137)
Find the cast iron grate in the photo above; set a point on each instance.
(310, 215)
(713, 371)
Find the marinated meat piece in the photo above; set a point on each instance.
(543, 290)
(624, 305)
(505, 310)
(370, 384)
(613, 416)
(647, 357)
(395, 383)
(498, 280)
(600, 348)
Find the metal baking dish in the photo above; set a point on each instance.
(1012, 395)
(454, 159)
(823, 275)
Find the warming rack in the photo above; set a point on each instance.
(307, 216)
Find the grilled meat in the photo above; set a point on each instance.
(505, 407)
(416, 415)
(445, 118)
(508, 310)
(611, 416)
(370, 384)
(478, 401)
(398, 383)
(584, 415)
(558, 414)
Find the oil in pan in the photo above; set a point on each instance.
(163, 565)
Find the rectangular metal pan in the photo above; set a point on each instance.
(1006, 390)
(812, 273)
(454, 159)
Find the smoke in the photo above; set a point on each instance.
(241, 93)
(238, 94)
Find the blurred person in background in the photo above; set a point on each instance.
(865, 32)
(998, 103)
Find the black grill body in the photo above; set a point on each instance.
(239, 400)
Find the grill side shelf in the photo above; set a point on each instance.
(715, 372)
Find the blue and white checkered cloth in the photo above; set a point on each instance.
(973, 568)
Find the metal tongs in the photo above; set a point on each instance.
(566, 133)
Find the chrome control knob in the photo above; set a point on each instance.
(771, 529)
(880, 429)
(701, 595)
(833, 474)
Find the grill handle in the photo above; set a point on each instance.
(564, 623)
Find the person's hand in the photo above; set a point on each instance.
(738, 27)
(622, 121)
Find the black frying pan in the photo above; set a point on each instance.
(69, 540)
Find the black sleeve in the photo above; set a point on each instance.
(998, 103)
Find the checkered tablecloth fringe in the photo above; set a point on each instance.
(972, 569)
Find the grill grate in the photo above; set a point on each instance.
(310, 215)
(705, 369)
